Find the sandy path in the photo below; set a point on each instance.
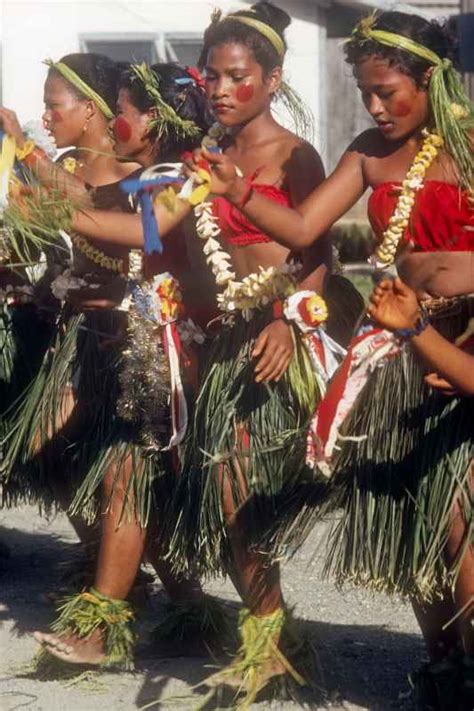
(366, 644)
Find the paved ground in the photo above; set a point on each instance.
(366, 644)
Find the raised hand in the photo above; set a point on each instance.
(225, 176)
(11, 125)
(394, 305)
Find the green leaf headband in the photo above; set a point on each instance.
(74, 79)
(167, 117)
(451, 108)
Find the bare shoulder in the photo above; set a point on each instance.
(370, 144)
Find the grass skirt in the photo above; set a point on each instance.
(70, 458)
(396, 486)
(24, 337)
(245, 437)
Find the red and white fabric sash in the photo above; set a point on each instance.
(366, 352)
(179, 407)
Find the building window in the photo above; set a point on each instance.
(184, 48)
(123, 48)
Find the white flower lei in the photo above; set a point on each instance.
(255, 290)
(36, 132)
(387, 250)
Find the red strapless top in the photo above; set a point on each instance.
(438, 219)
(235, 227)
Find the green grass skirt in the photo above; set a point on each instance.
(86, 353)
(396, 487)
(249, 437)
(24, 336)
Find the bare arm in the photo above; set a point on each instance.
(394, 305)
(454, 364)
(300, 227)
(125, 229)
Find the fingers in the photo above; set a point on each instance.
(438, 383)
(260, 344)
(272, 364)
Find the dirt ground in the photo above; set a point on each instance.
(366, 644)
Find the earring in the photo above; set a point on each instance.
(84, 128)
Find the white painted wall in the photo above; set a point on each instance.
(32, 31)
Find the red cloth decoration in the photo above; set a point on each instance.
(438, 219)
(235, 227)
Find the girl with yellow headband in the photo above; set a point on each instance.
(96, 418)
(245, 463)
(403, 476)
(77, 94)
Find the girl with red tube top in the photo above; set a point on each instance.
(403, 475)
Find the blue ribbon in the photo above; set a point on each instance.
(142, 189)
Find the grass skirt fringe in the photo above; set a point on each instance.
(84, 359)
(396, 487)
(245, 437)
(24, 337)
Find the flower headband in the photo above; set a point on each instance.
(74, 79)
(451, 108)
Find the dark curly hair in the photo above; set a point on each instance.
(188, 100)
(228, 30)
(430, 33)
(98, 71)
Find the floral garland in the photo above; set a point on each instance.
(391, 238)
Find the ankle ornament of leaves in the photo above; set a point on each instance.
(89, 611)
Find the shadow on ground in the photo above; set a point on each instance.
(365, 665)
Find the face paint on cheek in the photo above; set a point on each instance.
(244, 93)
(401, 109)
(56, 117)
(122, 130)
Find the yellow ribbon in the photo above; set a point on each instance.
(7, 160)
(200, 193)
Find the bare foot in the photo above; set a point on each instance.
(73, 649)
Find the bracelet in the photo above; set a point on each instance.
(404, 334)
(28, 148)
(277, 308)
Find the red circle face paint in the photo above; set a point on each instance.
(401, 108)
(122, 129)
(244, 93)
(56, 117)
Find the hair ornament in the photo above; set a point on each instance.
(73, 78)
(167, 119)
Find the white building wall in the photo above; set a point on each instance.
(35, 30)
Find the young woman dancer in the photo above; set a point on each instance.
(245, 461)
(406, 489)
(127, 379)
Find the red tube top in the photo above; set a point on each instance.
(438, 219)
(235, 227)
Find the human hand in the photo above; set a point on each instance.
(11, 126)
(274, 350)
(440, 384)
(226, 178)
(394, 305)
